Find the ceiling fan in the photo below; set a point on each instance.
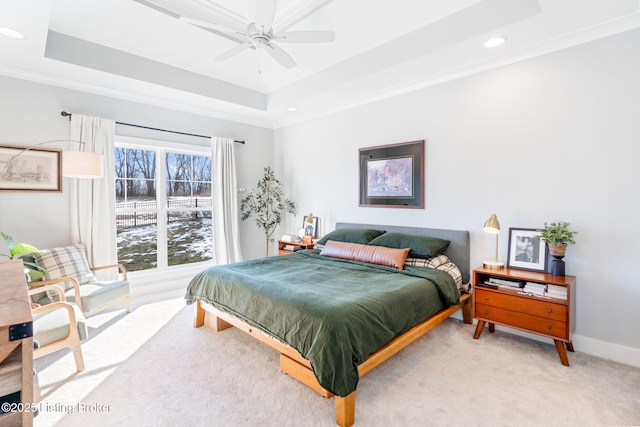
(259, 34)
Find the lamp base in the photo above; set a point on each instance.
(493, 265)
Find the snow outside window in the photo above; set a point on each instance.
(163, 206)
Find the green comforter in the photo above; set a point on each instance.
(334, 312)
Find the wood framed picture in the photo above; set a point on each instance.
(392, 176)
(30, 169)
(526, 252)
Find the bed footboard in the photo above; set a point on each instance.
(293, 364)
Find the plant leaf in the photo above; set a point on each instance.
(23, 248)
(8, 239)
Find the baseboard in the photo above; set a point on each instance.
(615, 352)
(606, 350)
(149, 283)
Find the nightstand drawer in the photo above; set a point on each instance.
(531, 305)
(521, 320)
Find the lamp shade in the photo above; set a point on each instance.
(81, 164)
(492, 226)
(309, 219)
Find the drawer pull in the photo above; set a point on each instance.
(549, 310)
(486, 298)
(486, 312)
(549, 327)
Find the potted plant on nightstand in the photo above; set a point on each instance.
(558, 237)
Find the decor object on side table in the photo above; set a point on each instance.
(310, 226)
(558, 237)
(526, 250)
(492, 226)
(266, 204)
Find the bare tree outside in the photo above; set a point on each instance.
(187, 213)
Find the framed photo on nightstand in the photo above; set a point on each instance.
(311, 229)
(526, 252)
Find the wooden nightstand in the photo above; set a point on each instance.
(296, 245)
(550, 317)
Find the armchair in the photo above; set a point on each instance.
(68, 266)
(58, 325)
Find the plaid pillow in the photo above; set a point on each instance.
(68, 261)
(453, 271)
(440, 262)
(433, 262)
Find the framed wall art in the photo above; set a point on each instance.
(310, 229)
(30, 169)
(392, 176)
(526, 252)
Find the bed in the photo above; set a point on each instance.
(334, 318)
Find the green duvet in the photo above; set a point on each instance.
(334, 312)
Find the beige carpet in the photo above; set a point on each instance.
(152, 368)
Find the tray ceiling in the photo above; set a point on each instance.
(140, 50)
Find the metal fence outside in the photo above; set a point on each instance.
(139, 213)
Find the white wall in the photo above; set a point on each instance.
(551, 138)
(30, 113)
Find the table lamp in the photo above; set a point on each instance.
(492, 226)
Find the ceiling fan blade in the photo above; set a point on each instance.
(232, 52)
(282, 57)
(265, 13)
(211, 25)
(306, 36)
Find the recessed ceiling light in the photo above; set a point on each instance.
(11, 33)
(495, 41)
(292, 109)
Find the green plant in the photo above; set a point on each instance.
(267, 204)
(557, 233)
(32, 270)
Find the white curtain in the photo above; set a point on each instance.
(93, 201)
(225, 201)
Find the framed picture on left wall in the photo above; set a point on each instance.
(30, 169)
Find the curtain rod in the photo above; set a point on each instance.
(65, 114)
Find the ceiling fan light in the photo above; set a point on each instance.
(495, 42)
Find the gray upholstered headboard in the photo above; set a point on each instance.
(458, 251)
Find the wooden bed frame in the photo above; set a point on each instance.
(296, 366)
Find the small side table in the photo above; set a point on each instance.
(294, 245)
(549, 317)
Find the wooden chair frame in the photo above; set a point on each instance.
(76, 286)
(73, 339)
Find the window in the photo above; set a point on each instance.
(163, 205)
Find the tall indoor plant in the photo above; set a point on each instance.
(266, 204)
(558, 237)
